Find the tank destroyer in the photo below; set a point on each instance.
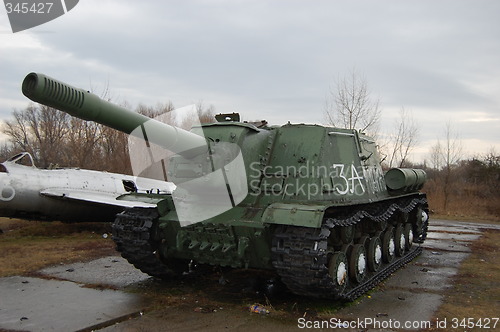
(310, 202)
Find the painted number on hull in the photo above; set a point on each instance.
(346, 181)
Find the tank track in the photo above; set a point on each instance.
(301, 256)
(132, 233)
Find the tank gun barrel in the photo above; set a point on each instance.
(87, 106)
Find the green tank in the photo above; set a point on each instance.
(309, 202)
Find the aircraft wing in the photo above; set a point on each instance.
(93, 197)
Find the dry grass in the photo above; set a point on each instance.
(463, 202)
(28, 246)
(475, 291)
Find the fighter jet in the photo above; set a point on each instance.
(68, 194)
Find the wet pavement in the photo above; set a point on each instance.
(34, 304)
(63, 303)
(71, 297)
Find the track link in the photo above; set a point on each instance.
(132, 233)
(300, 254)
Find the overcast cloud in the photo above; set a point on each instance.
(275, 60)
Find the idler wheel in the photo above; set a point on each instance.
(388, 245)
(400, 240)
(419, 220)
(357, 263)
(408, 231)
(337, 268)
(374, 254)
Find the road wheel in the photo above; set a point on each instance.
(374, 254)
(357, 263)
(408, 231)
(337, 268)
(388, 245)
(420, 222)
(400, 240)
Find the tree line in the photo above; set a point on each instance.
(466, 188)
(55, 138)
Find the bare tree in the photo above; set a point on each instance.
(404, 140)
(156, 111)
(82, 143)
(350, 105)
(448, 154)
(40, 130)
(205, 114)
(436, 156)
(492, 158)
(113, 147)
(54, 137)
(451, 149)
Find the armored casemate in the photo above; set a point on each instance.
(307, 201)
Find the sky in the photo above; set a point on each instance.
(276, 60)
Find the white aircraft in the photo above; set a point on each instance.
(68, 194)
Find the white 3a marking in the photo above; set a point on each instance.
(345, 184)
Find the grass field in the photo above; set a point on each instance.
(27, 246)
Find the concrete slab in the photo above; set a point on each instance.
(398, 306)
(466, 225)
(482, 226)
(453, 236)
(453, 229)
(112, 270)
(33, 304)
(449, 245)
(421, 278)
(430, 257)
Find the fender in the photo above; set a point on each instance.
(294, 214)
